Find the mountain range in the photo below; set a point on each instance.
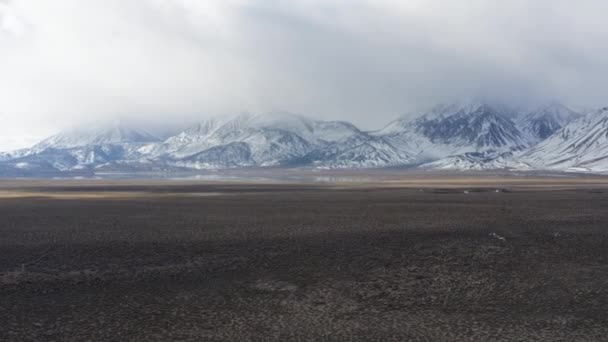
(459, 136)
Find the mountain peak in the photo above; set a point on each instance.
(541, 122)
(478, 124)
(115, 132)
(465, 135)
(477, 106)
(583, 143)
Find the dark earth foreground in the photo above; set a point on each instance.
(318, 262)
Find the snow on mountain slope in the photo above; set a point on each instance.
(272, 139)
(473, 136)
(82, 148)
(4, 156)
(47, 160)
(358, 152)
(582, 144)
(241, 141)
(313, 131)
(455, 129)
(232, 155)
(540, 123)
(535, 125)
(476, 161)
(114, 133)
(189, 142)
(76, 158)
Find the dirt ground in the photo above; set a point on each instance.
(397, 261)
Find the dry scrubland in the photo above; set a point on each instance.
(402, 260)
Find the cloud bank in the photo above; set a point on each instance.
(362, 60)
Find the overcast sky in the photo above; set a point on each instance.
(368, 61)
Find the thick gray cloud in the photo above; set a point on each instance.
(364, 60)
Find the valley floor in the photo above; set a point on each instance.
(417, 259)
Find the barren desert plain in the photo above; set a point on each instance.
(418, 258)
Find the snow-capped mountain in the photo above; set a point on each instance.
(358, 152)
(471, 136)
(535, 125)
(580, 145)
(232, 155)
(540, 123)
(455, 129)
(83, 147)
(104, 134)
(262, 140)
(191, 141)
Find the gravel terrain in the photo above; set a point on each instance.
(289, 262)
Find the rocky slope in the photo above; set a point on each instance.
(470, 136)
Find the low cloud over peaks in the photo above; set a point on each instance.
(358, 60)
